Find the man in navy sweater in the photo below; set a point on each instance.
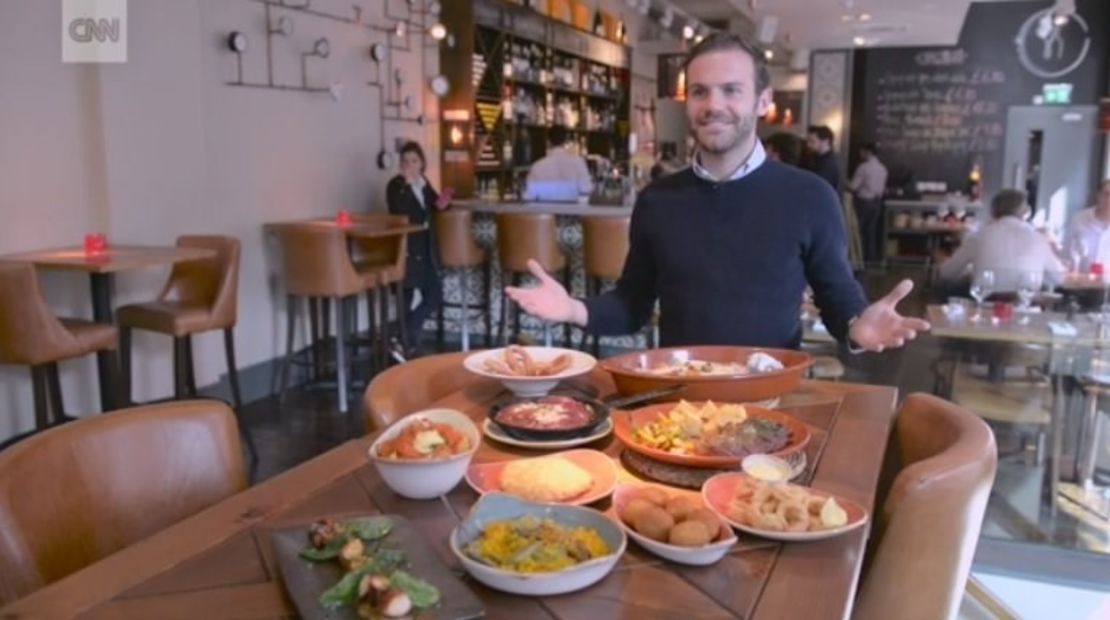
(728, 245)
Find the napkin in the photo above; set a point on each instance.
(1062, 328)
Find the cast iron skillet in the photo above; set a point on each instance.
(598, 410)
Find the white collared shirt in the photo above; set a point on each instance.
(418, 190)
(562, 165)
(755, 160)
(1007, 246)
(1088, 231)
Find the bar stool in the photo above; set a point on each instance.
(523, 236)
(30, 335)
(604, 249)
(460, 253)
(383, 262)
(199, 296)
(315, 264)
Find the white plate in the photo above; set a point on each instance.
(493, 431)
(528, 387)
(719, 490)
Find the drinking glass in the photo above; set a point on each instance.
(982, 285)
(1029, 282)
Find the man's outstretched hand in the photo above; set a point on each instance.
(548, 301)
(881, 327)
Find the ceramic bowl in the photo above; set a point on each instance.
(426, 478)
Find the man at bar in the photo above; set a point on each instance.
(728, 245)
(823, 160)
(559, 176)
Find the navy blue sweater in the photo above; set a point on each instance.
(729, 261)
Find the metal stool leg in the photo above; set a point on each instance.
(464, 319)
(340, 354)
(38, 388)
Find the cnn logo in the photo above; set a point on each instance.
(94, 30)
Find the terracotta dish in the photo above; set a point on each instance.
(625, 423)
(631, 373)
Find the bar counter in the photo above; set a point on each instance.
(570, 209)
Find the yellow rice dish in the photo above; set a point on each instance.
(545, 479)
(532, 545)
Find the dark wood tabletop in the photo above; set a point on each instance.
(114, 258)
(220, 562)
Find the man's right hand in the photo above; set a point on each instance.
(548, 301)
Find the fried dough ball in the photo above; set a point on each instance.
(633, 508)
(689, 534)
(708, 519)
(654, 522)
(655, 495)
(681, 506)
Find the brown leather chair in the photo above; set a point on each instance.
(459, 252)
(382, 262)
(316, 265)
(201, 295)
(604, 249)
(412, 386)
(524, 236)
(30, 335)
(925, 535)
(76, 493)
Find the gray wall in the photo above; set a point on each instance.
(160, 146)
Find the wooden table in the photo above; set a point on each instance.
(101, 268)
(220, 564)
(1036, 331)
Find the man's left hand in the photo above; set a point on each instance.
(881, 327)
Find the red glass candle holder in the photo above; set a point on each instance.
(96, 243)
(1003, 311)
(343, 218)
(1096, 270)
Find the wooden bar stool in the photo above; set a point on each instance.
(459, 252)
(382, 261)
(30, 335)
(523, 236)
(316, 264)
(604, 249)
(199, 296)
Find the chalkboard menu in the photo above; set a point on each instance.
(937, 111)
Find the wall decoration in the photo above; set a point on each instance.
(1051, 45)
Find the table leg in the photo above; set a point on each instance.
(101, 284)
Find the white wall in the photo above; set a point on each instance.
(161, 146)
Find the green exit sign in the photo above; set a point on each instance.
(1057, 93)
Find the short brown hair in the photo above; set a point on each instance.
(1008, 202)
(728, 42)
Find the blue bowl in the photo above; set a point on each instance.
(500, 507)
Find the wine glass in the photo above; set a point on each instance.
(982, 285)
(1029, 282)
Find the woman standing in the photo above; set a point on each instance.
(410, 194)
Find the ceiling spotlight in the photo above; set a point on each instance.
(435, 8)
(438, 31)
(865, 17)
(687, 32)
(399, 30)
(698, 38)
(769, 54)
(283, 26)
(322, 47)
(845, 18)
(859, 41)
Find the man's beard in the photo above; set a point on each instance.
(743, 128)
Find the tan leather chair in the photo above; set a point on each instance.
(30, 335)
(316, 264)
(604, 249)
(200, 295)
(459, 252)
(382, 262)
(74, 494)
(925, 535)
(413, 386)
(524, 236)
